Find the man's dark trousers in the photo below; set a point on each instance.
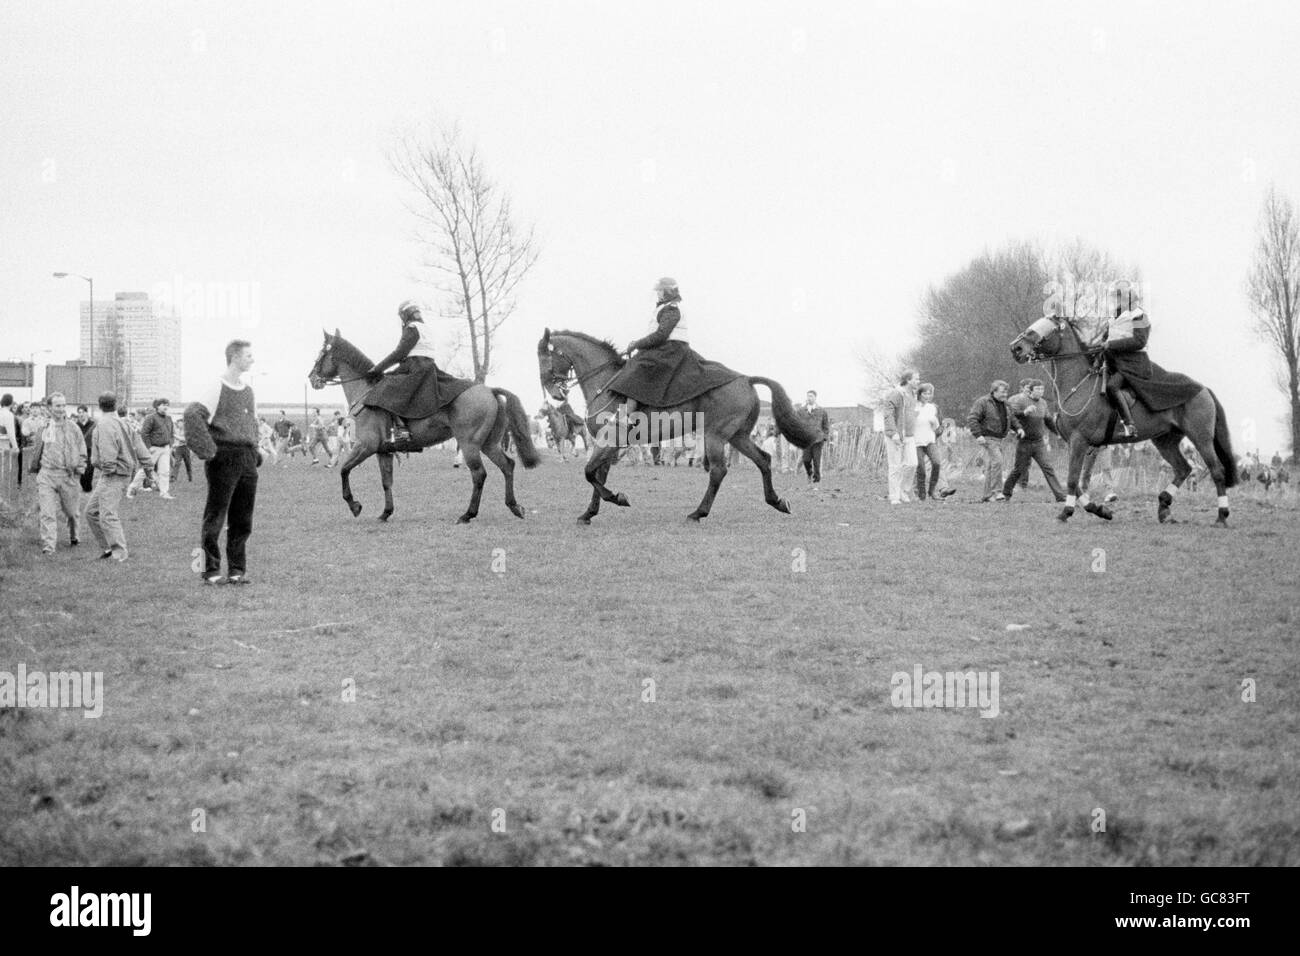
(812, 460)
(232, 490)
(1027, 451)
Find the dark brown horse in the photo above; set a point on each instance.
(724, 414)
(477, 419)
(1084, 418)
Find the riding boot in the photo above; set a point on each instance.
(1125, 412)
(399, 434)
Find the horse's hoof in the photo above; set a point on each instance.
(1065, 514)
(782, 506)
(354, 507)
(1162, 515)
(694, 516)
(385, 516)
(464, 519)
(516, 510)
(1105, 513)
(583, 519)
(620, 499)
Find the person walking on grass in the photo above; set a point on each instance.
(927, 445)
(58, 460)
(900, 441)
(989, 421)
(157, 431)
(316, 436)
(223, 431)
(116, 451)
(1032, 420)
(816, 417)
(181, 453)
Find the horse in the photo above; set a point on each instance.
(477, 419)
(566, 425)
(1201, 419)
(725, 414)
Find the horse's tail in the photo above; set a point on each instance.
(1223, 444)
(517, 422)
(795, 429)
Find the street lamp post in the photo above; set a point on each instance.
(64, 275)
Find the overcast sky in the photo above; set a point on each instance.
(804, 170)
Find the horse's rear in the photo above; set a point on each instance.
(477, 418)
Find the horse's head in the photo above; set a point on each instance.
(326, 367)
(1043, 339)
(554, 367)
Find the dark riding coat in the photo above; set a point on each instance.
(417, 388)
(665, 371)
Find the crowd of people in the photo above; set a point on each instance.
(84, 463)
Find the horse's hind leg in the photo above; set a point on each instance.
(386, 476)
(1204, 442)
(507, 466)
(745, 445)
(474, 462)
(1167, 444)
(717, 471)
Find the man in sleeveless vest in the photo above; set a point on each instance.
(1124, 352)
(222, 429)
(414, 355)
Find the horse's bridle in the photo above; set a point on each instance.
(567, 382)
(1038, 359)
(333, 380)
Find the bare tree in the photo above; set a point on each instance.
(471, 242)
(1273, 288)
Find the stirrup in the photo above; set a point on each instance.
(1128, 429)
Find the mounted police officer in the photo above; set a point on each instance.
(653, 358)
(1123, 351)
(414, 354)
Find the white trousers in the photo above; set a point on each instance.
(902, 466)
(162, 471)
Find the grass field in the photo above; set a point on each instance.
(500, 678)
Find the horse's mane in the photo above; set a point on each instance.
(345, 351)
(592, 340)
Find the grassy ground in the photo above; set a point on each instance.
(521, 689)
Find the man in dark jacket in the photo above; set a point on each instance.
(157, 432)
(221, 428)
(989, 420)
(1033, 419)
(87, 426)
(816, 416)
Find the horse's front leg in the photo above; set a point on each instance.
(1074, 494)
(598, 469)
(359, 454)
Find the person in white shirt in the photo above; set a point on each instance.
(926, 432)
(8, 424)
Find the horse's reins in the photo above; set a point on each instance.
(1051, 373)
